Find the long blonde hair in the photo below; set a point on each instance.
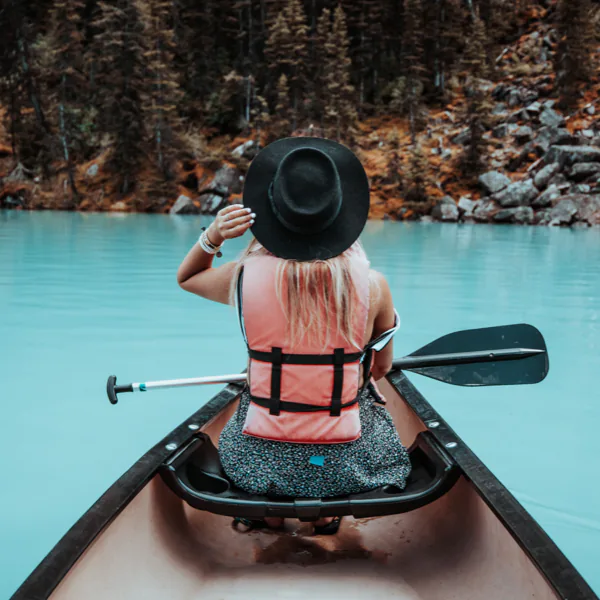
(314, 288)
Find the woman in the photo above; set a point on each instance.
(318, 324)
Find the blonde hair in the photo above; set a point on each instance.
(314, 288)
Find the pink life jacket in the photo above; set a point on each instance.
(306, 393)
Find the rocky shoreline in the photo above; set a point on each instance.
(546, 167)
(561, 186)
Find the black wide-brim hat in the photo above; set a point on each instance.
(310, 196)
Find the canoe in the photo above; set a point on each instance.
(164, 529)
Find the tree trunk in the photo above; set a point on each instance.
(33, 97)
(65, 139)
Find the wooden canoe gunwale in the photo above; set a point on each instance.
(545, 555)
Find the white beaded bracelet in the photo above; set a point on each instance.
(208, 246)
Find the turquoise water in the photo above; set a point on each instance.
(85, 296)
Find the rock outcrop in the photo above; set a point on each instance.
(184, 206)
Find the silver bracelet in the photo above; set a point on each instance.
(207, 245)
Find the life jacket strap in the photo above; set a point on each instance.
(275, 402)
(306, 359)
(338, 382)
(300, 406)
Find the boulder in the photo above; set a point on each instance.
(525, 156)
(184, 206)
(445, 210)
(493, 181)
(523, 134)
(518, 116)
(581, 188)
(92, 170)
(555, 136)
(520, 193)
(247, 150)
(119, 206)
(227, 180)
(588, 208)
(462, 138)
(485, 210)
(466, 206)
(569, 155)
(563, 212)
(9, 201)
(547, 197)
(560, 180)
(534, 108)
(583, 170)
(501, 91)
(529, 96)
(500, 131)
(590, 110)
(499, 108)
(212, 203)
(551, 118)
(544, 175)
(519, 214)
(514, 98)
(542, 217)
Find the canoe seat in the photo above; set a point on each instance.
(195, 474)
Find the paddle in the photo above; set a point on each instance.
(505, 355)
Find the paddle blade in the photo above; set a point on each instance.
(532, 369)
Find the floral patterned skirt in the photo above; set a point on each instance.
(273, 468)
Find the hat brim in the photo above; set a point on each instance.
(333, 240)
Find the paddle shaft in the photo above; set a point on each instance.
(408, 363)
(463, 358)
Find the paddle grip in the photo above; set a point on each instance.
(112, 389)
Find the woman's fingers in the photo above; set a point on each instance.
(234, 222)
(230, 208)
(239, 230)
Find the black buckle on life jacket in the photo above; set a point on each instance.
(338, 382)
(275, 403)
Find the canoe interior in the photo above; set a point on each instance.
(453, 548)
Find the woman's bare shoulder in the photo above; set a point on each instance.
(380, 289)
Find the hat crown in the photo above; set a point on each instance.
(306, 192)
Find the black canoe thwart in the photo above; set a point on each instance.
(195, 474)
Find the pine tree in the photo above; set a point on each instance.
(413, 60)
(278, 50)
(477, 107)
(282, 108)
(196, 33)
(162, 90)
(572, 62)
(418, 178)
(475, 58)
(260, 116)
(286, 52)
(66, 80)
(119, 56)
(366, 56)
(28, 125)
(296, 20)
(319, 79)
(339, 94)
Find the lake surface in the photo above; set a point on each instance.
(83, 296)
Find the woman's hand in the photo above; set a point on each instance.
(231, 222)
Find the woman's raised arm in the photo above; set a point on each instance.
(196, 274)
